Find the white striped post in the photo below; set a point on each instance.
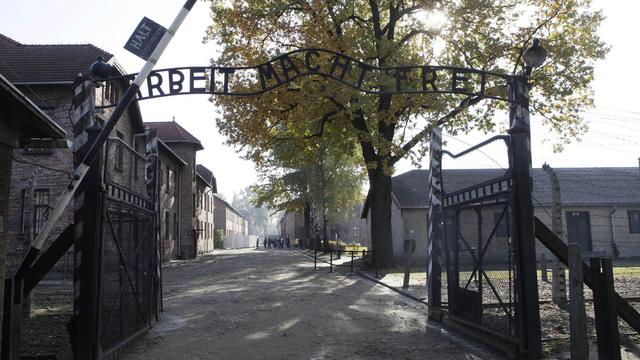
(434, 219)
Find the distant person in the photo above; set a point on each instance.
(257, 242)
(264, 243)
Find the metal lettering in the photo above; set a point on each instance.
(266, 72)
(151, 85)
(225, 83)
(345, 66)
(197, 74)
(175, 86)
(427, 70)
(455, 78)
(288, 65)
(307, 60)
(401, 74)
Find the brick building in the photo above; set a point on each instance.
(205, 188)
(45, 74)
(178, 186)
(20, 121)
(228, 219)
(171, 167)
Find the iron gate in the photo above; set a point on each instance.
(479, 252)
(128, 263)
(122, 267)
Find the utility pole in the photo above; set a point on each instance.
(558, 279)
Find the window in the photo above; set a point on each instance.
(175, 226)
(160, 178)
(40, 209)
(119, 160)
(23, 210)
(110, 92)
(171, 181)
(356, 232)
(634, 221)
(504, 227)
(167, 225)
(579, 229)
(175, 183)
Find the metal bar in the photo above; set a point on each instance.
(505, 138)
(520, 163)
(126, 273)
(559, 249)
(48, 259)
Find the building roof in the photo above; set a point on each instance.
(5, 40)
(23, 64)
(172, 132)
(216, 196)
(207, 176)
(578, 186)
(21, 112)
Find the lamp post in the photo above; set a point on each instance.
(521, 204)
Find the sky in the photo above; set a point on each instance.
(614, 123)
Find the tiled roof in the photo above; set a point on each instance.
(172, 132)
(578, 186)
(21, 63)
(5, 40)
(207, 175)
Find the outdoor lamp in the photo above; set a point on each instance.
(100, 69)
(534, 56)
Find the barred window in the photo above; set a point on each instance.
(119, 161)
(40, 209)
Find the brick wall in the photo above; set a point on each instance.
(187, 183)
(56, 102)
(56, 169)
(168, 205)
(204, 217)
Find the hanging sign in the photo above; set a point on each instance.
(145, 38)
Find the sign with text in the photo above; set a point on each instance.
(253, 80)
(145, 38)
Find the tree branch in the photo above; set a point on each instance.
(467, 102)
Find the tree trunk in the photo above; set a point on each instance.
(380, 209)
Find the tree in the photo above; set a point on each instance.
(313, 177)
(258, 215)
(489, 35)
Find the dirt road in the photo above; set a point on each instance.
(271, 304)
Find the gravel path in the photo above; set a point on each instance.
(271, 304)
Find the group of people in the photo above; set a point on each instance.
(269, 242)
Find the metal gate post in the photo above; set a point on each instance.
(434, 220)
(151, 181)
(84, 323)
(520, 163)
